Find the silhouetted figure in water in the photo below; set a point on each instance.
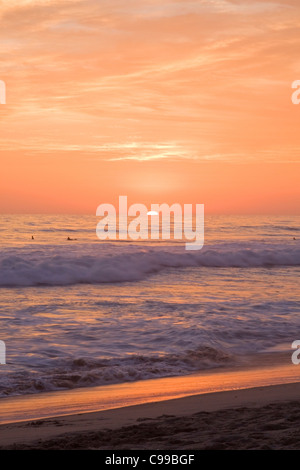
(71, 239)
(32, 237)
(294, 238)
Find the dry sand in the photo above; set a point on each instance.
(255, 418)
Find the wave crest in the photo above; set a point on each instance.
(86, 372)
(60, 266)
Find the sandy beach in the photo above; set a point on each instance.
(254, 418)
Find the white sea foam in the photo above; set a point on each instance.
(110, 264)
(84, 371)
(78, 322)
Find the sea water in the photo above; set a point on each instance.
(84, 312)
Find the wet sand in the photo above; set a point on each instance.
(265, 417)
(88, 399)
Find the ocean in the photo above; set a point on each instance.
(86, 312)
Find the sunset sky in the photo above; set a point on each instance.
(163, 101)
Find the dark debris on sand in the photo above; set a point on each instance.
(274, 426)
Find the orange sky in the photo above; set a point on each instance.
(183, 101)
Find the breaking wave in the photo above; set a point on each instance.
(49, 266)
(87, 372)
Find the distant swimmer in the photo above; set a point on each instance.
(71, 239)
(294, 238)
(32, 237)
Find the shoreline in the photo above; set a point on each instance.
(205, 421)
(198, 411)
(45, 405)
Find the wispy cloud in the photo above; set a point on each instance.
(213, 75)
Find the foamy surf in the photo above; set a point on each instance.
(20, 267)
(86, 372)
(84, 313)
